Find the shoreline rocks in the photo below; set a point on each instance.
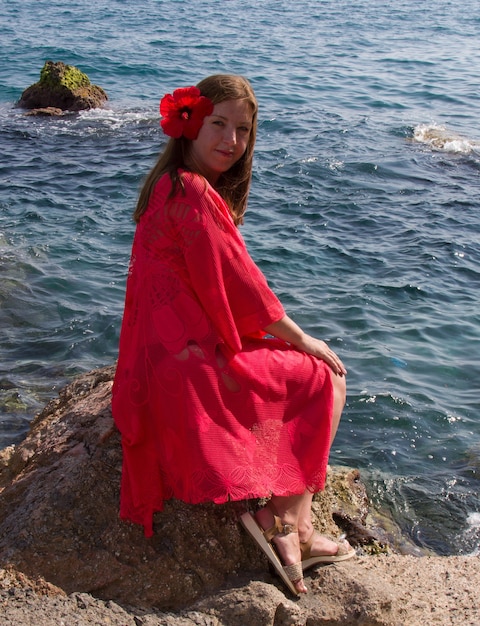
(370, 591)
(59, 493)
(61, 88)
(63, 549)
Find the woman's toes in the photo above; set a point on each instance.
(300, 586)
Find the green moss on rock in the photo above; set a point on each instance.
(60, 75)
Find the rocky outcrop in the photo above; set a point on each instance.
(59, 513)
(371, 591)
(64, 551)
(62, 88)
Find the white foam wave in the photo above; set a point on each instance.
(473, 532)
(474, 520)
(90, 122)
(441, 138)
(117, 118)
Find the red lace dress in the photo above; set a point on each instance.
(208, 407)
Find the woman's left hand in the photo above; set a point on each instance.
(288, 330)
(320, 349)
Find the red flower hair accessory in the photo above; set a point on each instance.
(183, 112)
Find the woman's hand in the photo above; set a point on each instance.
(288, 330)
(321, 350)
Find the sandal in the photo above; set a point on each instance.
(263, 538)
(344, 552)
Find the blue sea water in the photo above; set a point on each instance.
(364, 212)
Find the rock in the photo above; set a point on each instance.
(59, 513)
(62, 87)
(68, 558)
(45, 112)
(371, 591)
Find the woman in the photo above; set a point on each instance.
(218, 394)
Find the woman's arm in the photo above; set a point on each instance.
(288, 330)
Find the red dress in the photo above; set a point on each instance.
(209, 408)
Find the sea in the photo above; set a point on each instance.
(364, 213)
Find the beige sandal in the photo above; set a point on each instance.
(290, 573)
(344, 552)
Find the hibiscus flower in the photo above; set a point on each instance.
(183, 112)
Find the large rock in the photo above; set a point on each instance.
(371, 591)
(62, 88)
(59, 513)
(65, 557)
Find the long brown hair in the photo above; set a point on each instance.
(233, 185)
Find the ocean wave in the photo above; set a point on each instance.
(441, 138)
(98, 122)
(471, 535)
(116, 118)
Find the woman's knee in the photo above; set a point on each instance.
(339, 389)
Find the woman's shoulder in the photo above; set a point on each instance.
(194, 184)
(197, 192)
(164, 183)
(186, 185)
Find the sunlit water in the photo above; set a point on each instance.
(364, 212)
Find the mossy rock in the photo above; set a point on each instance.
(62, 87)
(55, 75)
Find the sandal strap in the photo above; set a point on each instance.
(294, 572)
(279, 529)
(343, 547)
(306, 547)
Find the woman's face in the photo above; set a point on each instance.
(222, 139)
